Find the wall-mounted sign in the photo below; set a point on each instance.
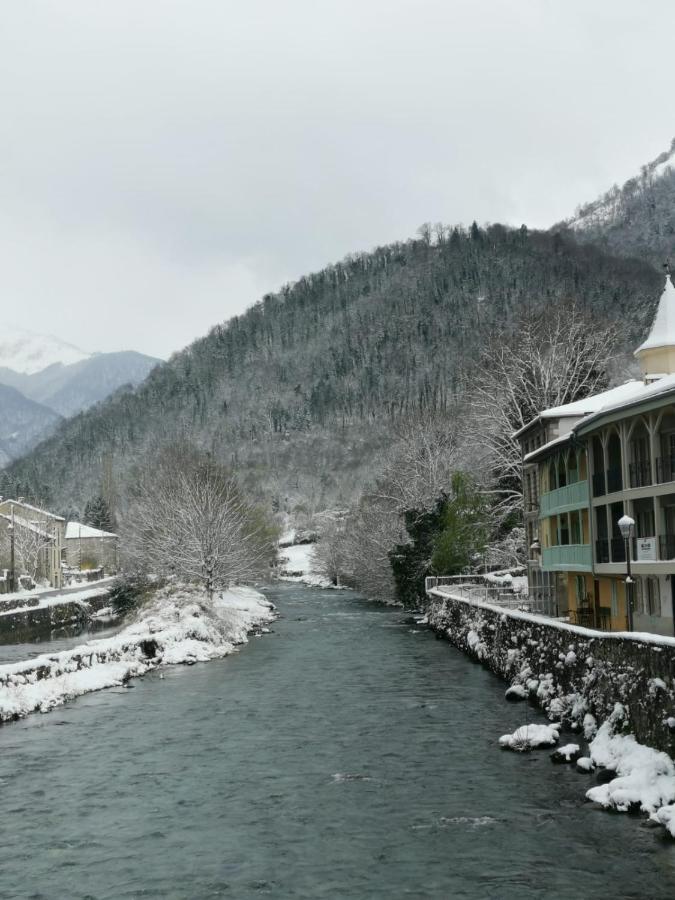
(646, 549)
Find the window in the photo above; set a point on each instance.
(614, 594)
(653, 598)
(638, 605)
(580, 589)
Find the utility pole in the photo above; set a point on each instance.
(12, 573)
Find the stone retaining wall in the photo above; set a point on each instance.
(34, 621)
(571, 672)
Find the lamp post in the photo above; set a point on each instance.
(627, 527)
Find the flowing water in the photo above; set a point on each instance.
(348, 754)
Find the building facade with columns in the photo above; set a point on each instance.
(609, 455)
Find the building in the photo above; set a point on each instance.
(38, 538)
(88, 547)
(585, 466)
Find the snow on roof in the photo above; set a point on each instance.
(78, 530)
(591, 408)
(563, 439)
(28, 525)
(662, 332)
(648, 391)
(588, 405)
(596, 402)
(43, 512)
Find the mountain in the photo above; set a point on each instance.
(22, 423)
(637, 219)
(68, 389)
(55, 379)
(28, 353)
(300, 391)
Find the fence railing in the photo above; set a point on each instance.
(537, 600)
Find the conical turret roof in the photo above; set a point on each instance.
(662, 332)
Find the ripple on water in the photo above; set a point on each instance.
(341, 757)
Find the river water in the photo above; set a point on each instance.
(348, 754)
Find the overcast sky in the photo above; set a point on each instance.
(163, 164)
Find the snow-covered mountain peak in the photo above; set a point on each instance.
(26, 352)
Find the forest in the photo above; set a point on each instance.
(305, 390)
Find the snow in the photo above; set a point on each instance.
(180, 625)
(298, 564)
(645, 777)
(568, 751)
(28, 353)
(78, 530)
(528, 737)
(47, 599)
(662, 332)
(643, 637)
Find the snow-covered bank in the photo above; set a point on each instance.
(618, 689)
(179, 626)
(645, 778)
(297, 562)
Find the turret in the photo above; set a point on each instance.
(657, 354)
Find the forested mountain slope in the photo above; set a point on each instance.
(299, 391)
(22, 423)
(637, 219)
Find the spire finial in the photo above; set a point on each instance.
(666, 267)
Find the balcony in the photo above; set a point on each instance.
(564, 499)
(665, 469)
(568, 557)
(640, 474)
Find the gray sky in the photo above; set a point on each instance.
(164, 163)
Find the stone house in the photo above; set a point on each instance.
(38, 540)
(88, 547)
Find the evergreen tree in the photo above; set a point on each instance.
(97, 514)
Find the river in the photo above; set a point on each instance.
(347, 755)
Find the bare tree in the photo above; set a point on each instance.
(32, 541)
(189, 518)
(550, 360)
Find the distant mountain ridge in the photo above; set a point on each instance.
(28, 353)
(55, 379)
(637, 219)
(23, 423)
(301, 391)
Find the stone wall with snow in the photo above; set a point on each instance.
(573, 673)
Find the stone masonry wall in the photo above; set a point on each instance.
(571, 672)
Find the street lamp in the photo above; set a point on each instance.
(627, 527)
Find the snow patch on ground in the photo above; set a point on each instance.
(528, 737)
(181, 625)
(645, 778)
(298, 563)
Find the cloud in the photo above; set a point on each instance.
(162, 164)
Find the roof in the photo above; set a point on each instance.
(556, 442)
(650, 391)
(588, 405)
(662, 333)
(22, 505)
(79, 530)
(29, 526)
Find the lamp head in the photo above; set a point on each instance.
(626, 526)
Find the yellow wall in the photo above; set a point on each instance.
(617, 623)
(659, 361)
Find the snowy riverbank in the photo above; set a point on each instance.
(618, 690)
(297, 562)
(179, 626)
